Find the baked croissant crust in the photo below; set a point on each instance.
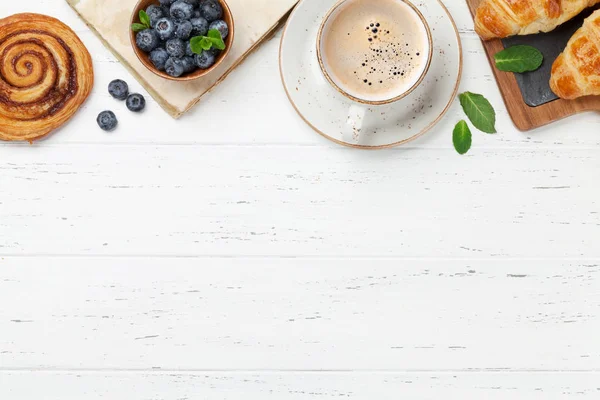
(46, 74)
(503, 18)
(576, 71)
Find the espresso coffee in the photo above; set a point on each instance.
(375, 50)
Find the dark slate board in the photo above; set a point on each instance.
(535, 86)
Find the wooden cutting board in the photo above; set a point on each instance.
(524, 116)
(110, 20)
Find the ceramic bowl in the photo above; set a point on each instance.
(145, 58)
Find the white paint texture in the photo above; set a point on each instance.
(236, 254)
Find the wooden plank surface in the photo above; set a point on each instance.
(524, 116)
(380, 245)
(210, 200)
(297, 386)
(288, 314)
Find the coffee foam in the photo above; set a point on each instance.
(375, 50)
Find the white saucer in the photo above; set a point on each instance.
(334, 116)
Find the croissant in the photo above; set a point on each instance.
(46, 74)
(503, 18)
(576, 71)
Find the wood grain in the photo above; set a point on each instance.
(290, 314)
(524, 116)
(297, 386)
(211, 200)
(108, 238)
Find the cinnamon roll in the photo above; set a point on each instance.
(46, 74)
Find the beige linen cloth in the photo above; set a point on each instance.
(110, 19)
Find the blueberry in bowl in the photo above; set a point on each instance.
(181, 40)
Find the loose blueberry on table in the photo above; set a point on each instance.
(182, 36)
(135, 102)
(107, 120)
(118, 89)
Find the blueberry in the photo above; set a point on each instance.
(221, 26)
(165, 28)
(205, 60)
(211, 10)
(180, 10)
(183, 30)
(214, 52)
(155, 13)
(107, 120)
(188, 49)
(159, 58)
(189, 64)
(165, 2)
(147, 40)
(118, 89)
(199, 26)
(175, 48)
(135, 102)
(174, 67)
(194, 3)
(197, 14)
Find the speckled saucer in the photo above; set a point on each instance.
(336, 117)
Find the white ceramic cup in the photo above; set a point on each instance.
(360, 104)
(326, 25)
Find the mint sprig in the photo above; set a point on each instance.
(479, 110)
(205, 43)
(217, 40)
(519, 59)
(144, 22)
(461, 137)
(480, 113)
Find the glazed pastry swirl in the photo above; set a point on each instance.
(46, 74)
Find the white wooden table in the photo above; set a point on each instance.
(235, 254)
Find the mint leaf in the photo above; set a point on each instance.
(479, 110)
(144, 18)
(206, 43)
(199, 44)
(519, 59)
(195, 44)
(461, 137)
(216, 39)
(214, 34)
(138, 27)
(218, 43)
